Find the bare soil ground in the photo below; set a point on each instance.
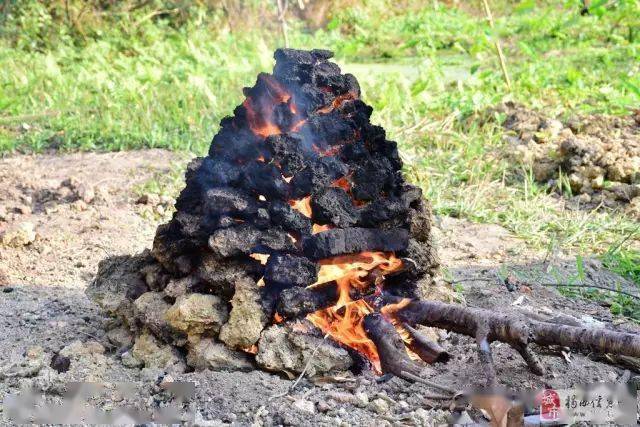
(73, 223)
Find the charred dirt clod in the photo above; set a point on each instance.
(290, 270)
(291, 153)
(288, 218)
(60, 363)
(298, 302)
(334, 206)
(341, 241)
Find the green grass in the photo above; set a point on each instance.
(141, 79)
(624, 262)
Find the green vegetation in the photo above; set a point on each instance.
(153, 74)
(625, 262)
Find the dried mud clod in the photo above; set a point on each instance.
(597, 157)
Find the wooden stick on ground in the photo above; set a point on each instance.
(517, 331)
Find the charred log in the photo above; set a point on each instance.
(391, 348)
(429, 351)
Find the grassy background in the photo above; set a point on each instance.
(114, 75)
(162, 75)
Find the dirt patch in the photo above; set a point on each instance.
(60, 215)
(46, 288)
(596, 158)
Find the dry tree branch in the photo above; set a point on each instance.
(517, 331)
(503, 62)
(282, 10)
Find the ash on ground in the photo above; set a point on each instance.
(595, 158)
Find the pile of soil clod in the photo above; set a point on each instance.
(595, 159)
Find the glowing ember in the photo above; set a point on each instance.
(251, 350)
(302, 205)
(342, 183)
(263, 258)
(338, 101)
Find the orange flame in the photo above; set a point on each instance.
(389, 312)
(257, 121)
(338, 101)
(263, 258)
(260, 112)
(343, 321)
(304, 207)
(252, 349)
(277, 318)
